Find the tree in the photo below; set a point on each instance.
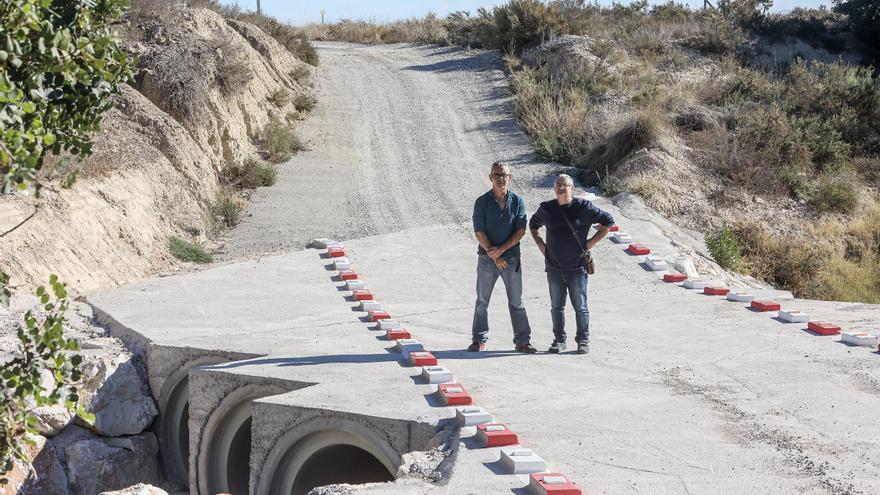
(864, 19)
(59, 63)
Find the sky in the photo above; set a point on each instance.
(306, 11)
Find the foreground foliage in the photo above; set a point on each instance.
(42, 372)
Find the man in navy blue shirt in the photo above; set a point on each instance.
(499, 224)
(563, 256)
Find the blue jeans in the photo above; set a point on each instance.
(575, 284)
(487, 275)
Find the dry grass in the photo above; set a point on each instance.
(831, 259)
(642, 129)
(279, 141)
(425, 30)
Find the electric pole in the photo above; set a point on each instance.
(258, 6)
(322, 16)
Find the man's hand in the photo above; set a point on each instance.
(501, 263)
(598, 236)
(494, 252)
(540, 242)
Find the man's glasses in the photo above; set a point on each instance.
(499, 176)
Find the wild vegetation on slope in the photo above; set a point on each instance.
(764, 127)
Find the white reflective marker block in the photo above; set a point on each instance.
(324, 243)
(389, 325)
(437, 374)
(405, 346)
(859, 338)
(695, 284)
(370, 306)
(656, 263)
(472, 416)
(355, 284)
(794, 316)
(740, 296)
(518, 460)
(621, 238)
(341, 264)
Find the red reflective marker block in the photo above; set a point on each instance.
(766, 305)
(716, 291)
(496, 435)
(378, 315)
(639, 249)
(454, 394)
(674, 277)
(362, 295)
(422, 358)
(823, 327)
(397, 334)
(336, 252)
(552, 484)
(347, 275)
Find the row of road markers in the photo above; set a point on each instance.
(657, 264)
(513, 456)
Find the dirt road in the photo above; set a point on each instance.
(402, 137)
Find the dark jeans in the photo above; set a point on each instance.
(575, 284)
(487, 275)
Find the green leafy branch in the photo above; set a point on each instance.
(42, 347)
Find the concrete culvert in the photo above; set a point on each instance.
(174, 421)
(339, 464)
(327, 457)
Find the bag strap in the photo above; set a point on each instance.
(570, 227)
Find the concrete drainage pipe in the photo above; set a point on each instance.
(224, 456)
(332, 450)
(174, 420)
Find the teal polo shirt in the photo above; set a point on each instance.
(500, 223)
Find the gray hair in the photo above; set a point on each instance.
(500, 164)
(564, 178)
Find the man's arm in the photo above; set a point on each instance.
(536, 235)
(601, 217)
(535, 224)
(511, 241)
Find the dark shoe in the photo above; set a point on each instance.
(584, 347)
(557, 347)
(476, 346)
(526, 348)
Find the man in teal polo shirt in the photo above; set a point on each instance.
(499, 224)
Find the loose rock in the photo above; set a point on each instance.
(106, 464)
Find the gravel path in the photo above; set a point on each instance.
(402, 137)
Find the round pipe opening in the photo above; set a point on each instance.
(339, 464)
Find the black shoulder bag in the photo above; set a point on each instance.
(586, 258)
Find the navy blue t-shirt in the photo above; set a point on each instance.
(499, 223)
(563, 253)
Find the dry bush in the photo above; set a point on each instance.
(301, 74)
(280, 97)
(279, 141)
(558, 119)
(641, 130)
(251, 173)
(838, 191)
(304, 103)
(785, 261)
(428, 29)
(233, 68)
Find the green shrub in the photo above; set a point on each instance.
(226, 210)
(724, 249)
(304, 103)
(280, 141)
(59, 64)
(250, 174)
(187, 251)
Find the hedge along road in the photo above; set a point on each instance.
(401, 137)
(682, 393)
